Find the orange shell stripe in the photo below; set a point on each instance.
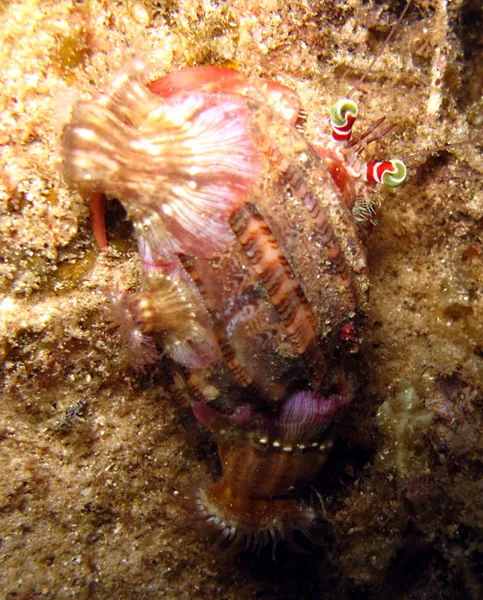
(283, 290)
(242, 375)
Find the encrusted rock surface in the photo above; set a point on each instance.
(96, 458)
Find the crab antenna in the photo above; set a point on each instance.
(381, 49)
(378, 136)
(372, 128)
(381, 134)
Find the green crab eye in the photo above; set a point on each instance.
(390, 173)
(342, 117)
(342, 112)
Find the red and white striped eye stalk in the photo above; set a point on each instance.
(390, 173)
(342, 117)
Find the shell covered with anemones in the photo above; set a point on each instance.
(255, 273)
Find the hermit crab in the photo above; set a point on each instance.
(255, 273)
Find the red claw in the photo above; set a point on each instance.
(224, 80)
(201, 79)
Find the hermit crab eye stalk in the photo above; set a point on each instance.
(342, 116)
(390, 173)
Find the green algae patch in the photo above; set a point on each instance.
(404, 420)
(71, 52)
(71, 273)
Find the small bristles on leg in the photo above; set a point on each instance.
(364, 210)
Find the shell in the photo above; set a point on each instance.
(255, 272)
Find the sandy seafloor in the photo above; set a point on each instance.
(95, 458)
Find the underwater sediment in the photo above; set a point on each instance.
(97, 457)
